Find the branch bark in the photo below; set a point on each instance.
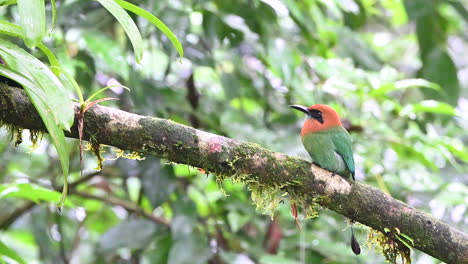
(256, 166)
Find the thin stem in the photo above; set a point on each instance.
(129, 206)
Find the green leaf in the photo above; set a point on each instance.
(418, 8)
(13, 30)
(32, 19)
(407, 238)
(57, 98)
(404, 238)
(439, 68)
(182, 226)
(230, 84)
(215, 28)
(158, 181)
(190, 249)
(155, 21)
(351, 45)
(54, 14)
(39, 99)
(403, 241)
(354, 19)
(48, 97)
(428, 106)
(458, 150)
(102, 90)
(276, 259)
(411, 83)
(237, 220)
(396, 9)
(405, 151)
(127, 24)
(10, 253)
(7, 2)
(133, 234)
(403, 85)
(460, 8)
(162, 246)
(71, 82)
(303, 20)
(30, 192)
(107, 52)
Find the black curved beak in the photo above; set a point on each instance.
(301, 108)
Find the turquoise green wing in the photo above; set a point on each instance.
(342, 142)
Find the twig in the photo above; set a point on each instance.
(83, 179)
(129, 206)
(28, 205)
(63, 254)
(11, 218)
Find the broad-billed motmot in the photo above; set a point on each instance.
(328, 144)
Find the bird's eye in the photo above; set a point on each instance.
(315, 113)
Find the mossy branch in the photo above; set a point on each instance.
(254, 165)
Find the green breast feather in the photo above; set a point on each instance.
(331, 150)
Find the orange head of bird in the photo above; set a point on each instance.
(319, 117)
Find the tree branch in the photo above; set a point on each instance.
(6, 221)
(256, 166)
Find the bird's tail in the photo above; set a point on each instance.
(354, 244)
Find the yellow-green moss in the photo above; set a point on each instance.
(95, 148)
(133, 155)
(16, 135)
(99, 149)
(393, 245)
(266, 196)
(35, 137)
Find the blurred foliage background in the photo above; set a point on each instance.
(245, 61)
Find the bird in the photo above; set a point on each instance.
(329, 145)
(326, 140)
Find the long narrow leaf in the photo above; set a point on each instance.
(155, 21)
(127, 24)
(405, 84)
(47, 94)
(54, 14)
(39, 100)
(102, 90)
(73, 83)
(13, 30)
(429, 106)
(32, 19)
(57, 97)
(7, 2)
(8, 252)
(54, 63)
(30, 191)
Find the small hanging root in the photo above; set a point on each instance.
(294, 214)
